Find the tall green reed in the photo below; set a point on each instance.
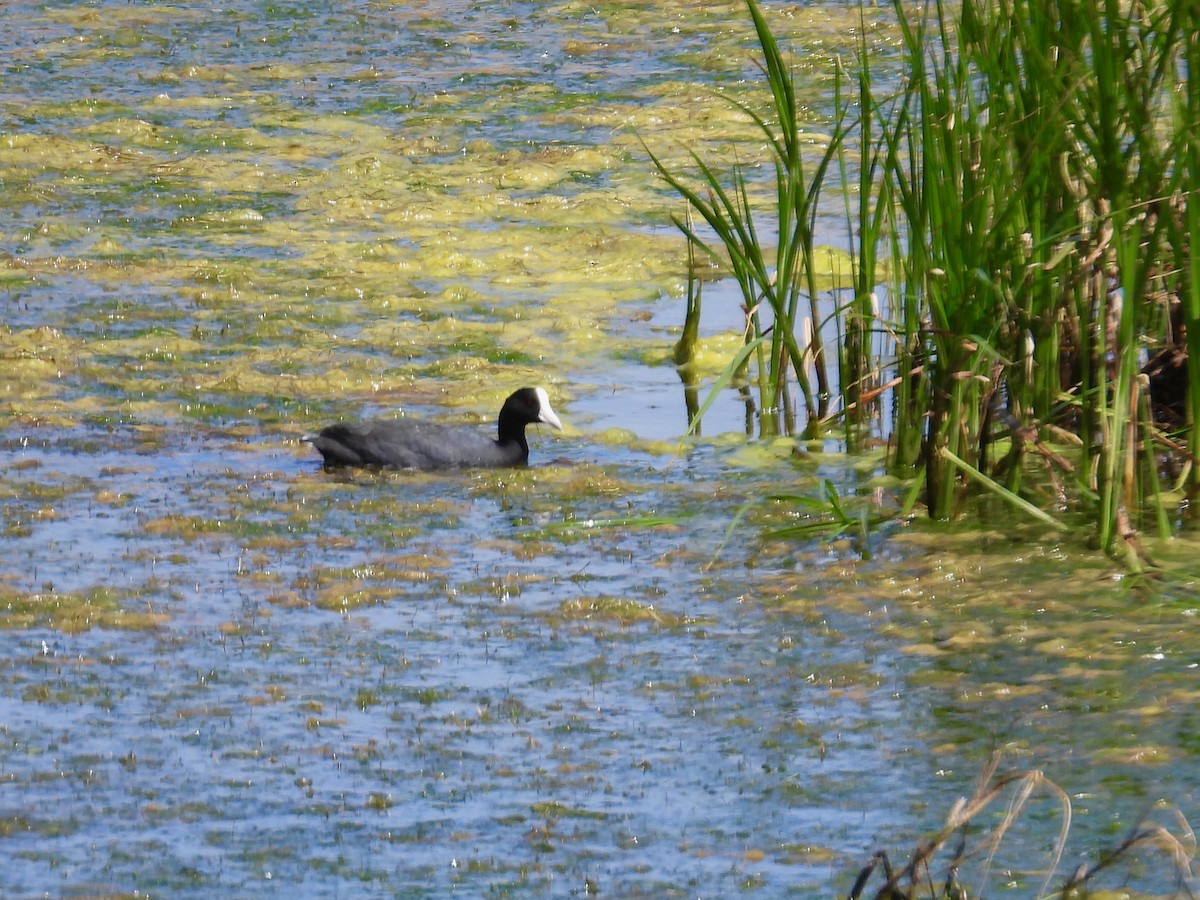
(1025, 210)
(1186, 236)
(860, 369)
(1045, 154)
(949, 176)
(789, 344)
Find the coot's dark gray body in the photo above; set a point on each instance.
(413, 444)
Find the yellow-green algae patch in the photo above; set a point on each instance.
(553, 809)
(616, 609)
(347, 595)
(34, 360)
(543, 247)
(73, 612)
(414, 575)
(566, 483)
(398, 208)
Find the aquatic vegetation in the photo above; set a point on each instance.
(620, 610)
(223, 228)
(1020, 245)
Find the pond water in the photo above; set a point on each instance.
(229, 672)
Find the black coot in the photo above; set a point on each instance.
(409, 444)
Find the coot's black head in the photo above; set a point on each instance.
(524, 407)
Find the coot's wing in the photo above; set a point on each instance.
(407, 444)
